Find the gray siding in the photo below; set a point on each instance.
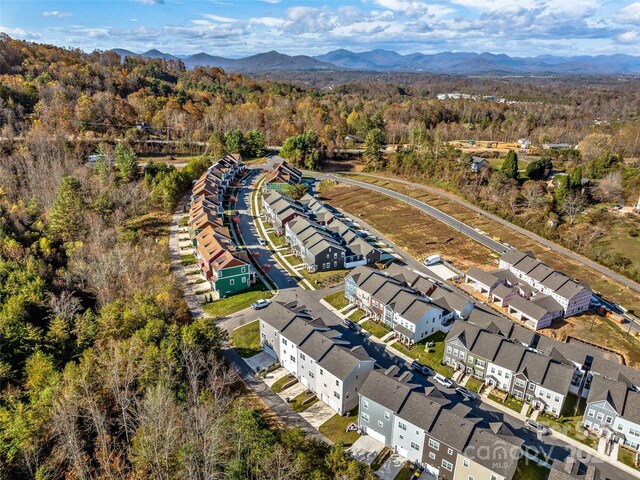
(377, 420)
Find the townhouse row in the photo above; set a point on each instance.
(412, 305)
(419, 424)
(316, 233)
(316, 355)
(226, 267)
(545, 372)
(282, 175)
(531, 291)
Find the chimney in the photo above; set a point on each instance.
(391, 371)
(405, 376)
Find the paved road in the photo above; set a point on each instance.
(553, 246)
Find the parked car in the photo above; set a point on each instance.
(423, 369)
(466, 393)
(442, 380)
(537, 427)
(262, 241)
(351, 325)
(262, 303)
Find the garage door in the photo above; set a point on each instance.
(403, 452)
(375, 435)
(432, 470)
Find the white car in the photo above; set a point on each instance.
(261, 241)
(442, 380)
(262, 303)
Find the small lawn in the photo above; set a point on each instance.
(337, 300)
(297, 405)
(278, 241)
(240, 301)
(188, 259)
(627, 457)
(474, 384)
(405, 474)
(530, 470)
(513, 403)
(278, 386)
(570, 426)
(432, 358)
(293, 260)
(376, 329)
(357, 315)
(246, 339)
(336, 428)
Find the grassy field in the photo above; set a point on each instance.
(433, 358)
(246, 339)
(529, 470)
(227, 306)
(411, 230)
(376, 329)
(337, 300)
(278, 241)
(325, 279)
(357, 315)
(570, 426)
(336, 428)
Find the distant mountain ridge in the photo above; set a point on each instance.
(388, 60)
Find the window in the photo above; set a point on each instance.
(471, 478)
(336, 394)
(242, 269)
(365, 416)
(387, 416)
(337, 383)
(434, 444)
(401, 437)
(447, 465)
(415, 446)
(380, 424)
(493, 370)
(465, 462)
(590, 413)
(449, 451)
(244, 280)
(284, 341)
(365, 404)
(608, 419)
(600, 415)
(449, 349)
(293, 359)
(302, 356)
(532, 386)
(619, 426)
(493, 477)
(402, 426)
(480, 363)
(312, 375)
(322, 373)
(470, 359)
(231, 282)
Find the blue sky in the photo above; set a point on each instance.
(235, 28)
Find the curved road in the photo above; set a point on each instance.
(492, 244)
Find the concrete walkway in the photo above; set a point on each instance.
(391, 467)
(177, 268)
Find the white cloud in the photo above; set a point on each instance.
(218, 18)
(630, 37)
(272, 1)
(150, 2)
(56, 14)
(268, 21)
(629, 14)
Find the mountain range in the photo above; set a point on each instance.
(388, 60)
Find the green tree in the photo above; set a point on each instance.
(539, 169)
(253, 144)
(373, 145)
(67, 212)
(562, 190)
(234, 141)
(126, 162)
(575, 177)
(303, 150)
(296, 191)
(510, 165)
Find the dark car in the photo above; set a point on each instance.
(423, 369)
(351, 325)
(466, 393)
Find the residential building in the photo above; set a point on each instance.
(573, 469)
(421, 425)
(318, 357)
(317, 248)
(278, 210)
(282, 175)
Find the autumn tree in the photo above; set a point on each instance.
(126, 162)
(572, 205)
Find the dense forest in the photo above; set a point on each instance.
(103, 373)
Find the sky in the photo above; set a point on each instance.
(238, 28)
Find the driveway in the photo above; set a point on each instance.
(260, 361)
(272, 377)
(292, 392)
(366, 449)
(318, 414)
(390, 469)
